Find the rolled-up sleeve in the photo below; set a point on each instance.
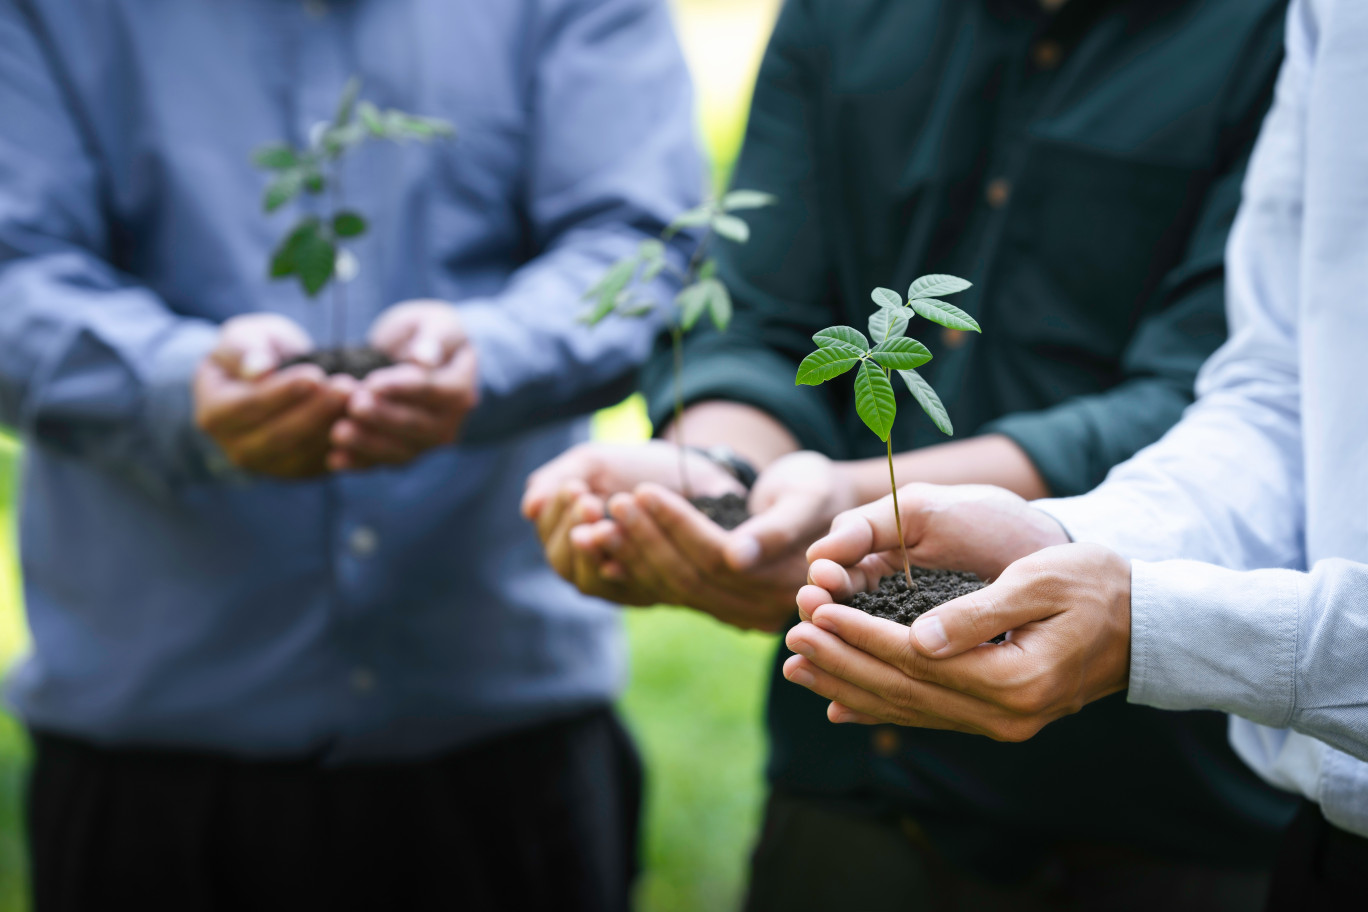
(614, 159)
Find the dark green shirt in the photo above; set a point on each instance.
(1083, 170)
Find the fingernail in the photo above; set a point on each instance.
(930, 633)
(801, 677)
(256, 362)
(744, 552)
(803, 649)
(427, 351)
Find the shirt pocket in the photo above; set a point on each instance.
(1089, 239)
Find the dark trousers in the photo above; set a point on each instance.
(1319, 867)
(544, 819)
(813, 857)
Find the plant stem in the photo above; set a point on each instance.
(677, 340)
(897, 517)
(339, 327)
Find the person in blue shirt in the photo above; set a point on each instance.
(261, 677)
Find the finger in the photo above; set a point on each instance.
(365, 449)
(842, 715)
(835, 579)
(435, 343)
(545, 482)
(227, 407)
(874, 527)
(698, 539)
(774, 533)
(303, 426)
(810, 598)
(560, 552)
(801, 671)
(964, 623)
(651, 558)
(553, 516)
(415, 426)
(252, 346)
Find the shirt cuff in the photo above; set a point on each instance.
(170, 399)
(1203, 637)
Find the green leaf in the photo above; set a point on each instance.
(371, 119)
(931, 403)
(888, 323)
(614, 281)
(694, 218)
(874, 401)
(828, 362)
(652, 255)
(719, 304)
(600, 311)
(283, 189)
(708, 269)
(847, 335)
(347, 104)
(931, 286)
(692, 303)
(285, 260)
(732, 228)
(632, 309)
(901, 354)
(739, 200)
(315, 261)
(945, 314)
(886, 297)
(277, 157)
(313, 180)
(348, 224)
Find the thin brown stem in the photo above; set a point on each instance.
(677, 339)
(897, 517)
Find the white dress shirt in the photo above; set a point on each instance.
(1262, 488)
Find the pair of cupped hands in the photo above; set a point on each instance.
(296, 422)
(614, 523)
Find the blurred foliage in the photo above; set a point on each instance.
(697, 687)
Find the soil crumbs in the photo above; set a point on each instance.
(358, 362)
(728, 511)
(895, 602)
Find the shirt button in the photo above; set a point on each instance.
(999, 191)
(364, 541)
(953, 338)
(886, 742)
(1047, 54)
(363, 680)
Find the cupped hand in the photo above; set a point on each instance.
(1066, 613)
(569, 495)
(400, 412)
(977, 528)
(266, 420)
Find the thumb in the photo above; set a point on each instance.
(972, 620)
(774, 534)
(874, 527)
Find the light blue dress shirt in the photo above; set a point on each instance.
(376, 615)
(1262, 488)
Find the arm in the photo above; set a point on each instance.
(992, 459)
(91, 363)
(1073, 445)
(614, 160)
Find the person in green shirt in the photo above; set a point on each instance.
(1081, 163)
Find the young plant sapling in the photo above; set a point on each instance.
(702, 292)
(844, 348)
(312, 251)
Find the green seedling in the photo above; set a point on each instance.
(701, 292)
(312, 251)
(844, 348)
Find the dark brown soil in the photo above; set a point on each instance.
(728, 511)
(893, 601)
(355, 361)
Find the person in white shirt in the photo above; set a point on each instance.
(1226, 566)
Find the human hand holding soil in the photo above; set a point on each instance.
(567, 500)
(272, 422)
(398, 413)
(1066, 615)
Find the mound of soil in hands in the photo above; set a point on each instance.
(358, 362)
(728, 511)
(895, 602)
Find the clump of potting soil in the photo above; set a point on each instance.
(357, 362)
(728, 511)
(895, 601)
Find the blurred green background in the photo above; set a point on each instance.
(697, 687)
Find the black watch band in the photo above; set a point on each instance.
(731, 463)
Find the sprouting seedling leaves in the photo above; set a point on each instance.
(702, 293)
(311, 247)
(843, 348)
